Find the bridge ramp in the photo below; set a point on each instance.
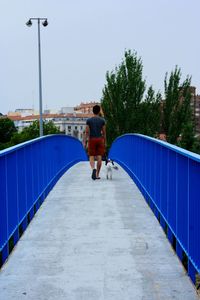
(94, 240)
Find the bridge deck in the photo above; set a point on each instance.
(94, 240)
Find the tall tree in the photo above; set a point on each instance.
(149, 114)
(122, 95)
(177, 115)
(187, 140)
(7, 128)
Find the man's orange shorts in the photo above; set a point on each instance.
(96, 146)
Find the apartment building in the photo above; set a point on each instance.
(69, 120)
(195, 103)
(85, 108)
(71, 124)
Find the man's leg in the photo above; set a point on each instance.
(92, 164)
(99, 163)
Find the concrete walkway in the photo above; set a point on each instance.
(94, 240)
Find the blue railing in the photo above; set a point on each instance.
(27, 173)
(169, 178)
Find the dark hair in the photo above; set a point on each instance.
(96, 109)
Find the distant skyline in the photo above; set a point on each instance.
(85, 39)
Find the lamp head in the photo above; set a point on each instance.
(29, 23)
(45, 23)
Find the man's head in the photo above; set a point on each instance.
(96, 109)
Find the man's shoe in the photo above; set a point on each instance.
(94, 174)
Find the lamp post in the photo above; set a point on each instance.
(44, 23)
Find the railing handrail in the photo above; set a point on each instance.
(24, 144)
(175, 148)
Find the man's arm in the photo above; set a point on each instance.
(86, 135)
(104, 134)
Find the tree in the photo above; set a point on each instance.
(196, 145)
(122, 95)
(150, 113)
(125, 108)
(32, 132)
(187, 139)
(7, 128)
(177, 115)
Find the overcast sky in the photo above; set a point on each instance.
(84, 39)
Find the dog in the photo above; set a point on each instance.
(109, 167)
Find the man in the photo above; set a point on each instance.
(95, 134)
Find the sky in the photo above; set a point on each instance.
(85, 39)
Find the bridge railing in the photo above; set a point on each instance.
(169, 179)
(28, 172)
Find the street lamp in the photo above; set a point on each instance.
(29, 24)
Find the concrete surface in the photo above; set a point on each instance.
(94, 240)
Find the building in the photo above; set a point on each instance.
(195, 103)
(195, 107)
(70, 120)
(85, 108)
(71, 124)
(66, 110)
(23, 112)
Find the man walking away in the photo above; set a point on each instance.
(95, 134)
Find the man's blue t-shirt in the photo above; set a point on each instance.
(95, 124)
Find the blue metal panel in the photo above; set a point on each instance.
(171, 211)
(157, 174)
(182, 201)
(3, 203)
(164, 182)
(12, 192)
(194, 212)
(29, 162)
(168, 177)
(36, 173)
(21, 184)
(151, 170)
(145, 162)
(28, 172)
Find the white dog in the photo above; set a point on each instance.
(109, 170)
(109, 167)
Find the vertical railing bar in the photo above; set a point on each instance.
(188, 206)
(17, 184)
(177, 178)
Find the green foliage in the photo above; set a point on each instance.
(7, 129)
(121, 95)
(196, 146)
(33, 130)
(122, 101)
(149, 114)
(187, 138)
(177, 115)
(30, 132)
